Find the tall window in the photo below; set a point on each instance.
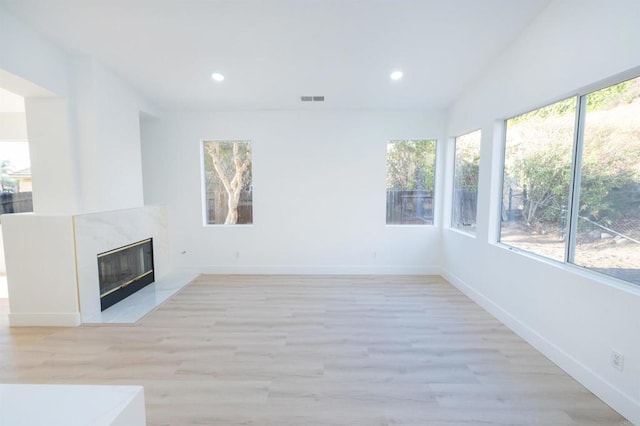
(607, 220)
(228, 182)
(537, 175)
(465, 181)
(411, 168)
(584, 211)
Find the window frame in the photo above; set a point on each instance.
(203, 183)
(574, 182)
(503, 157)
(435, 193)
(451, 221)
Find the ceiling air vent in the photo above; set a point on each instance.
(312, 98)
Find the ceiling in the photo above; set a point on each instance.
(271, 52)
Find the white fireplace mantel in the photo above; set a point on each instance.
(52, 269)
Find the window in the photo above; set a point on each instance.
(607, 221)
(465, 181)
(228, 182)
(411, 168)
(537, 172)
(584, 211)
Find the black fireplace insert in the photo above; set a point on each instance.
(124, 270)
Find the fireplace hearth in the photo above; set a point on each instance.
(124, 270)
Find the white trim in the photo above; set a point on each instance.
(227, 225)
(435, 193)
(203, 184)
(410, 225)
(604, 390)
(203, 181)
(450, 179)
(604, 279)
(461, 231)
(38, 319)
(448, 182)
(314, 270)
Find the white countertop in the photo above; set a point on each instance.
(71, 405)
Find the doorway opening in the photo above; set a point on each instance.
(15, 174)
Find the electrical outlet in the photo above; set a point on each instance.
(374, 254)
(237, 255)
(617, 360)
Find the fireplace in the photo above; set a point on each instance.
(124, 270)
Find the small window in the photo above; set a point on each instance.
(465, 181)
(411, 168)
(228, 183)
(537, 179)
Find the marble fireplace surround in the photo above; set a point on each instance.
(99, 232)
(52, 268)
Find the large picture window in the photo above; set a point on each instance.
(607, 219)
(465, 181)
(571, 188)
(228, 182)
(411, 168)
(537, 178)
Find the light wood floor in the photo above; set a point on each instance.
(304, 351)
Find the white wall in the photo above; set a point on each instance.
(97, 143)
(108, 139)
(38, 70)
(319, 192)
(41, 272)
(31, 57)
(13, 126)
(51, 151)
(574, 317)
(3, 267)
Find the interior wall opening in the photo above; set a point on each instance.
(15, 171)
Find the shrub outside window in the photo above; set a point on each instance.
(411, 168)
(537, 179)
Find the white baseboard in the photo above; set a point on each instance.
(313, 270)
(611, 395)
(44, 320)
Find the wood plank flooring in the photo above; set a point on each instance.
(313, 350)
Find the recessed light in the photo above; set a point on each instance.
(396, 75)
(217, 76)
